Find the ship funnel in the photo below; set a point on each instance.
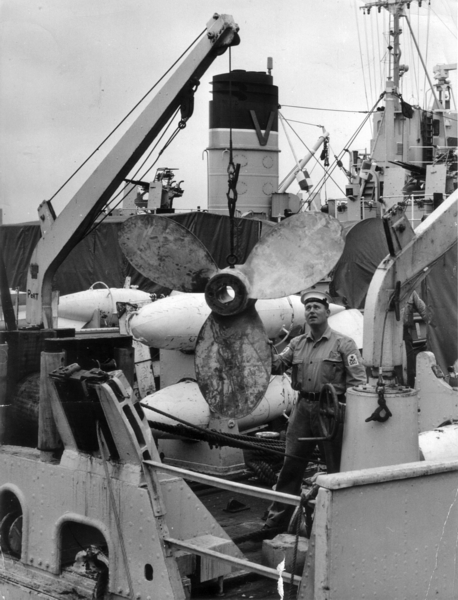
(246, 104)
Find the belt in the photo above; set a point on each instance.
(312, 396)
(315, 396)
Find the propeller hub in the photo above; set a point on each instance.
(227, 292)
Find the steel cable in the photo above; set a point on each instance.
(127, 116)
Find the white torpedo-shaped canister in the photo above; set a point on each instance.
(185, 401)
(77, 310)
(348, 322)
(440, 443)
(173, 323)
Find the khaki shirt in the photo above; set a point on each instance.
(334, 358)
(414, 304)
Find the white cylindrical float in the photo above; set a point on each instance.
(76, 310)
(173, 323)
(185, 401)
(377, 444)
(440, 443)
(348, 322)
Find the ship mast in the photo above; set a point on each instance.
(403, 135)
(396, 10)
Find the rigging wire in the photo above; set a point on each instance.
(444, 24)
(368, 60)
(447, 5)
(233, 175)
(127, 115)
(390, 27)
(454, 103)
(412, 60)
(381, 83)
(282, 121)
(325, 109)
(386, 24)
(422, 61)
(305, 123)
(308, 150)
(96, 223)
(361, 56)
(427, 43)
(338, 159)
(418, 37)
(374, 74)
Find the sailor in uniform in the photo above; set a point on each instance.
(320, 355)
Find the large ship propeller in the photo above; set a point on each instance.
(233, 356)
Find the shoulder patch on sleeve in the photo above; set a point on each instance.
(352, 360)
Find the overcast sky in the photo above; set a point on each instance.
(70, 70)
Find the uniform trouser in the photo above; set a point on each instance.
(303, 423)
(411, 357)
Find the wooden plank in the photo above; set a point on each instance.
(48, 436)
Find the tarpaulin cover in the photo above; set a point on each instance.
(439, 291)
(365, 248)
(98, 257)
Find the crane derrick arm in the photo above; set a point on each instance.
(396, 278)
(60, 235)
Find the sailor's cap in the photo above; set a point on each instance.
(315, 296)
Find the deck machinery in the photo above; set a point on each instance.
(94, 494)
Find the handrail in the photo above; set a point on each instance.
(231, 486)
(240, 562)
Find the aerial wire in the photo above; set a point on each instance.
(368, 61)
(422, 61)
(444, 24)
(380, 71)
(449, 10)
(389, 44)
(305, 123)
(386, 25)
(412, 60)
(361, 56)
(454, 103)
(325, 109)
(368, 57)
(418, 37)
(427, 43)
(374, 58)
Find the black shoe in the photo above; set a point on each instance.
(270, 531)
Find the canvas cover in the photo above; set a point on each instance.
(365, 248)
(98, 257)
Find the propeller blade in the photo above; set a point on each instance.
(233, 362)
(294, 255)
(167, 253)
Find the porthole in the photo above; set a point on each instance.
(268, 161)
(148, 572)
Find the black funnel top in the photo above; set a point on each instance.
(237, 93)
